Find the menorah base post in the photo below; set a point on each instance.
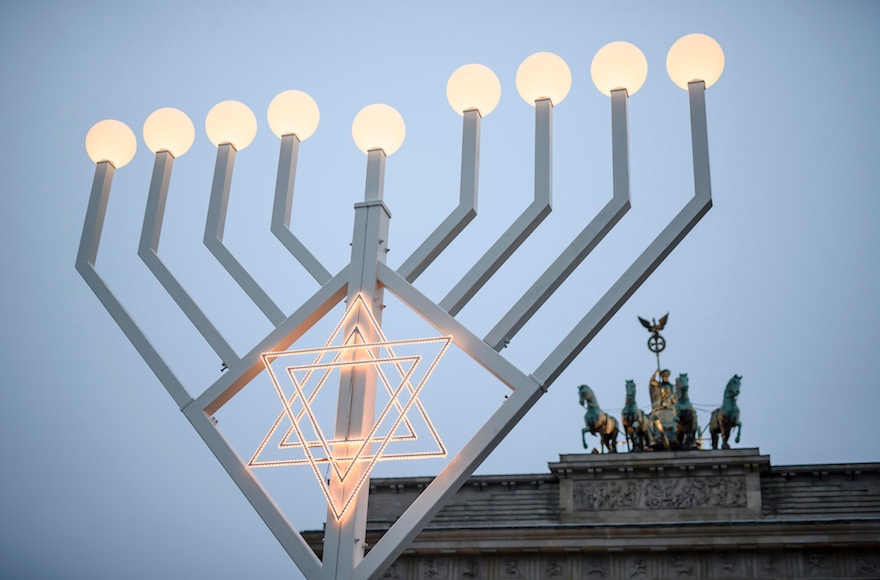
(345, 536)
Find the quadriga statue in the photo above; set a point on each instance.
(597, 421)
(726, 417)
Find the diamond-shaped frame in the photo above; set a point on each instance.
(526, 391)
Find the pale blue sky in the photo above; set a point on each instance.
(104, 478)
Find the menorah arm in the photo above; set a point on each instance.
(466, 210)
(85, 265)
(283, 206)
(524, 225)
(535, 297)
(149, 246)
(214, 227)
(651, 258)
(288, 536)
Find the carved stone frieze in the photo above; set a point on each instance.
(392, 573)
(638, 566)
(510, 567)
(727, 565)
(682, 566)
(433, 568)
(470, 568)
(595, 566)
(659, 493)
(555, 568)
(772, 565)
(866, 565)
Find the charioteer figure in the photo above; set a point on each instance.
(662, 391)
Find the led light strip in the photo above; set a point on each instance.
(343, 465)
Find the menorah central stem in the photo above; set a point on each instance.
(344, 541)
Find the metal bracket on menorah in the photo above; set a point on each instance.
(358, 442)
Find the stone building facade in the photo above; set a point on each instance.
(682, 515)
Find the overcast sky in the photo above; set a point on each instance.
(104, 478)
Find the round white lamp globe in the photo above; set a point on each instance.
(112, 141)
(543, 76)
(378, 127)
(619, 65)
(231, 122)
(293, 112)
(169, 130)
(473, 86)
(695, 57)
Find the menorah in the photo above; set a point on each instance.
(358, 350)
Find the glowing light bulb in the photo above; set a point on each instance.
(378, 127)
(231, 122)
(543, 76)
(293, 112)
(473, 86)
(619, 65)
(112, 141)
(695, 57)
(169, 130)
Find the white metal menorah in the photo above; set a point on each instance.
(364, 359)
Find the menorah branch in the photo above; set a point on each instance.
(283, 206)
(148, 251)
(523, 226)
(570, 258)
(85, 265)
(581, 335)
(216, 223)
(466, 210)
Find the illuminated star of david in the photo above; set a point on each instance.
(356, 351)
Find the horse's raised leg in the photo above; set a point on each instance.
(739, 428)
(584, 438)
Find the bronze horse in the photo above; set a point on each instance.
(726, 417)
(685, 415)
(635, 422)
(597, 421)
